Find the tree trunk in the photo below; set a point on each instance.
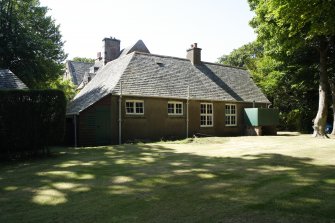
(332, 89)
(321, 116)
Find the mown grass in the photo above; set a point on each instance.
(288, 178)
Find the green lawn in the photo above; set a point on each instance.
(286, 178)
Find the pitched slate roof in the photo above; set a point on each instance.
(77, 70)
(8, 80)
(150, 75)
(139, 46)
(101, 85)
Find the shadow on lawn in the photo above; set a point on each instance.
(149, 183)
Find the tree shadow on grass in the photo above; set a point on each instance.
(150, 183)
(288, 134)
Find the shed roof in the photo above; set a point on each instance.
(8, 80)
(150, 75)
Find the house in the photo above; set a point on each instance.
(139, 95)
(75, 71)
(8, 80)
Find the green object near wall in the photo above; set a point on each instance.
(261, 116)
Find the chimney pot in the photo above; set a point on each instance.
(99, 55)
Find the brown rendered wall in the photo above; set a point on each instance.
(156, 124)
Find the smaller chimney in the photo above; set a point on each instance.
(194, 54)
(99, 56)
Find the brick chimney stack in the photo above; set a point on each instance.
(110, 49)
(194, 54)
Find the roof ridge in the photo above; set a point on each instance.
(159, 55)
(179, 58)
(72, 61)
(224, 65)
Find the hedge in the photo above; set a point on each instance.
(30, 121)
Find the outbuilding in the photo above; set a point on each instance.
(8, 80)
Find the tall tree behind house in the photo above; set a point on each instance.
(287, 26)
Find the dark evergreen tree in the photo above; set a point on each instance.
(30, 42)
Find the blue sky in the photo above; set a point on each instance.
(166, 27)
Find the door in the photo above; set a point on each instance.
(103, 126)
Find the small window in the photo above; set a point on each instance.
(206, 115)
(175, 108)
(134, 107)
(231, 116)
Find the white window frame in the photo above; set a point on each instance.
(134, 107)
(175, 103)
(229, 115)
(207, 114)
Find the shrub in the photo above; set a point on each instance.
(30, 121)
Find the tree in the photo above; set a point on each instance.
(287, 26)
(288, 81)
(66, 86)
(30, 42)
(332, 81)
(83, 59)
(244, 57)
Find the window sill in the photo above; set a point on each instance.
(134, 116)
(176, 116)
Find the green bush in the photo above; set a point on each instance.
(293, 120)
(30, 121)
(297, 120)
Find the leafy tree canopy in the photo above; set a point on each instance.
(284, 25)
(83, 59)
(66, 86)
(244, 56)
(30, 42)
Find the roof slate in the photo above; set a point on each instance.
(77, 70)
(8, 80)
(150, 75)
